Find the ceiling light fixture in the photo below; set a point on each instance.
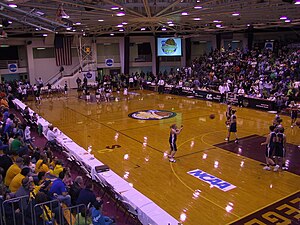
(198, 7)
(124, 23)
(121, 14)
(171, 24)
(163, 29)
(283, 18)
(235, 14)
(121, 30)
(100, 20)
(114, 8)
(112, 34)
(143, 28)
(45, 35)
(197, 18)
(297, 2)
(13, 5)
(78, 23)
(218, 25)
(184, 14)
(217, 21)
(287, 21)
(120, 25)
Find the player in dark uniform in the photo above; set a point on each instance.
(37, 95)
(172, 140)
(49, 89)
(232, 127)
(294, 113)
(66, 88)
(280, 149)
(228, 114)
(270, 148)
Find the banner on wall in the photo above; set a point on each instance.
(13, 68)
(269, 45)
(109, 62)
(90, 75)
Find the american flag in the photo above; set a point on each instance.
(63, 53)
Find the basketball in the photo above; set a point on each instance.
(298, 123)
(212, 116)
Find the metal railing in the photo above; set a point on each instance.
(14, 210)
(43, 207)
(21, 210)
(1, 216)
(72, 217)
(56, 77)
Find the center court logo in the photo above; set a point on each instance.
(212, 180)
(152, 114)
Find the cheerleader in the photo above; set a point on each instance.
(87, 95)
(98, 96)
(125, 91)
(107, 93)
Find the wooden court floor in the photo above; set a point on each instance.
(224, 187)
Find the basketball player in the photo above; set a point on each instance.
(294, 112)
(270, 142)
(280, 149)
(38, 96)
(228, 114)
(172, 140)
(66, 88)
(277, 121)
(49, 89)
(232, 127)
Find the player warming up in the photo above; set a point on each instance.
(172, 140)
(280, 146)
(270, 143)
(232, 127)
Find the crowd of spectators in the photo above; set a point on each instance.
(260, 73)
(31, 176)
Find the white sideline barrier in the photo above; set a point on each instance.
(148, 212)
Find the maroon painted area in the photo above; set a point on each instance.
(281, 212)
(250, 147)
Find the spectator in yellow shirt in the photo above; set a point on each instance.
(3, 102)
(58, 168)
(42, 165)
(16, 182)
(13, 170)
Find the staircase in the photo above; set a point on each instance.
(59, 78)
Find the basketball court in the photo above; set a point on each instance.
(212, 182)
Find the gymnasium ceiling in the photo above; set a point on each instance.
(119, 17)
